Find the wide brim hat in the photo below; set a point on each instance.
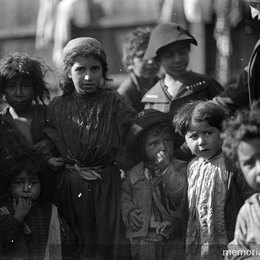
(145, 119)
(165, 34)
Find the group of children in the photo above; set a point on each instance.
(63, 195)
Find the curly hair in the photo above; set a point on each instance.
(134, 42)
(84, 50)
(20, 65)
(244, 125)
(199, 111)
(24, 159)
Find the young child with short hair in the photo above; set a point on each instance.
(215, 190)
(241, 142)
(29, 224)
(153, 192)
(143, 74)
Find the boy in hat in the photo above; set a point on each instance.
(153, 193)
(170, 44)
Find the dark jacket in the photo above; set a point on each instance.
(133, 91)
(195, 86)
(238, 192)
(246, 90)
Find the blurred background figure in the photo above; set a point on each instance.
(142, 73)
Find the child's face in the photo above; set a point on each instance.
(249, 160)
(19, 94)
(157, 142)
(26, 186)
(144, 68)
(203, 139)
(86, 74)
(175, 59)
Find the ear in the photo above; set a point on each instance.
(69, 75)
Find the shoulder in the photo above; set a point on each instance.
(58, 99)
(251, 205)
(155, 94)
(254, 199)
(126, 86)
(201, 80)
(179, 164)
(136, 173)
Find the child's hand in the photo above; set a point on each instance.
(40, 147)
(22, 207)
(135, 219)
(56, 163)
(162, 229)
(162, 160)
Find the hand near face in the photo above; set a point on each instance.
(162, 160)
(22, 207)
(135, 219)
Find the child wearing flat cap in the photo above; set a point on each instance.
(87, 124)
(154, 190)
(170, 44)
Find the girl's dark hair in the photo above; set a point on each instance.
(135, 41)
(97, 51)
(24, 159)
(199, 111)
(243, 126)
(20, 65)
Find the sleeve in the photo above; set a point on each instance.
(50, 128)
(235, 95)
(10, 229)
(127, 114)
(245, 190)
(238, 245)
(216, 88)
(175, 181)
(127, 204)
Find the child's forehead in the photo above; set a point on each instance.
(158, 130)
(25, 174)
(195, 125)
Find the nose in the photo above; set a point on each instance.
(18, 91)
(176, 57)
(86, 77)
(201, 140)
(162, 146)
(27, 187)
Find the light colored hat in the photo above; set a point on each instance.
(165, 34)
(81, 41)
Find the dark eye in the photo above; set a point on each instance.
(35, 182)
(10, 86)
(194, 136)
(96, 68)
(17, 182)
(26, 86)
